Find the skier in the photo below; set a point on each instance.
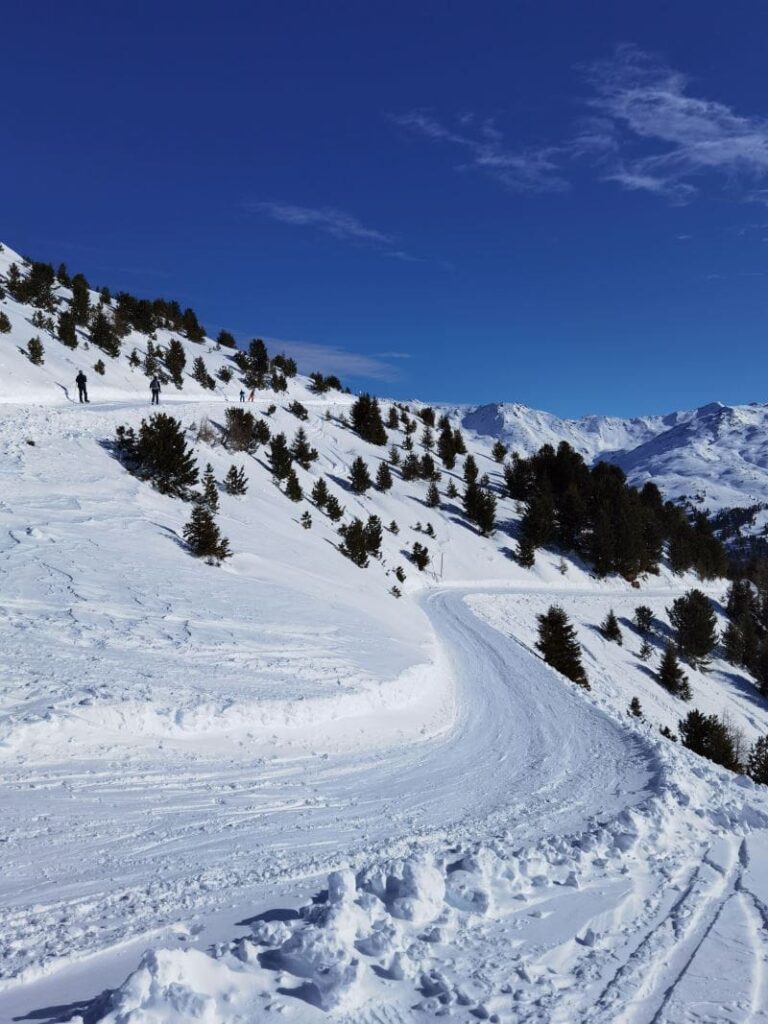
(154, 387)
(252, 394)
(242, 394)
(82, 386)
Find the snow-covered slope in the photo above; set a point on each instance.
(187, 750)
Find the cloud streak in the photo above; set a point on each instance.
(328, 219)
(312, 357)
(523, 170)
(667, 140)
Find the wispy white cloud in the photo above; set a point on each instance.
(332, 221)
(313, 357)
(532, 169)
(666, 141)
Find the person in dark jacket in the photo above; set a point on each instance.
(242, 395)
(154, 387)
(82, 386)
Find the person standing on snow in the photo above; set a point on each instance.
(242, 395)
(82, 386)
(154, 387)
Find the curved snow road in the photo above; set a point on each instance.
(527, 754)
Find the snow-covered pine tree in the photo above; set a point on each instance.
(643, 619)
(383, 477)
(433, 496)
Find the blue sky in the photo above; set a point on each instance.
(562, 204)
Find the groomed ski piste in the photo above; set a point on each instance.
(271, 790)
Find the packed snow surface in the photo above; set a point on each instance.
(272, 790)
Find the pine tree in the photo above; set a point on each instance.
(175, 361)
(65, 329)
(427, 439)
(459, 446)
(411, 468)
(240, 427)
(80, 306)
(5, 324)
(367, 421)
(710, 736)
(355, 542)
(235, 482)
(693, 617)
(393, 528)
(420, 556)
(471, 471)
(526, 553)
(635, 709)
(224, 374)
(429, 530)
(279, 457)
(393, 420)
(293, 487)
(383, 477)
(645, 650)
(103, 334)
(757, 765)
(643, 619)
(407, 444)
(610, 628)
(452, 490)
(433, 496)
(373, 536)
(226, 340)
(499, 451)
(201, 375)
(320, 493)
(150, 360)
(359, 477)
(400, 574)
(485, 513)
(209, 496)
(733, 644)
(306, 520)
(204, 537)
(302, 451)
(99, 367)
(160, 454)
(191, 327)
(671, 675)
(445, 446)
(394, 456)
(134, 360)
(559, 646)
(333, 509)
(261, 432)
(35, 351)
(298, 410)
